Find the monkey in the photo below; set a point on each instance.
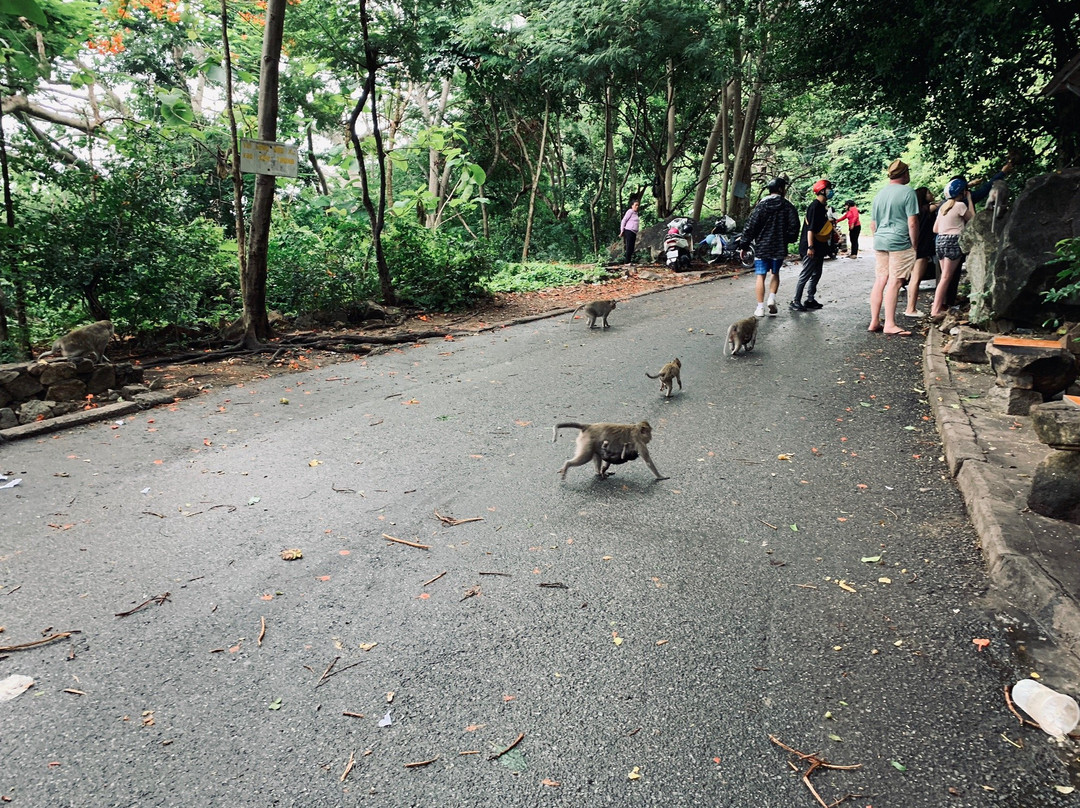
(607, 444)
(742, 334)
(671, 372)
(594, 309)
(998, 200)
(89, 340)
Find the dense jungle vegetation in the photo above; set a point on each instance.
(448, 148)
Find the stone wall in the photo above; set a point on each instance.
(31, 391)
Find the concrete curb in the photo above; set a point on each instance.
(143, 401)
(1001, 527)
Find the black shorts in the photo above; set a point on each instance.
(948, 247)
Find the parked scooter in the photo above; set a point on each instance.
(720, 245)
(679, 244)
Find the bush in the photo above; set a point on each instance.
(1068, 277)
(532, 277)
(438, 270)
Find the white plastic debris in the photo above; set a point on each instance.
(14, 685)
(385, 721)
(11, 483)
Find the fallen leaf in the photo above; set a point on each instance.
(547, 781)
(836, 738)
(635, 773)
(291, 555)
(784, 457)
(389, 696)
(283, 401)
(795, 528)
(1034, 675)
(474, 727)
(314, 463)
(884, 580)
(900, 767)
(845, 586)
(266, 597)
(324, 577)
(275, 704)
(254, 500)
(367, 646)
(871, 559)
(1064, 789)
(981, 643)
(147, 718)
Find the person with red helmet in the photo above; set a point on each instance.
(816, 232)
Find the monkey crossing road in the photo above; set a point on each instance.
(806, 572)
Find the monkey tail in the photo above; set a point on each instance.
(574, 314)
(657, 376)
(568, 425)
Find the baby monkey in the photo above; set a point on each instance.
(742, 334)
(89, 340)
(595, 309)
(668, 373)
(607, 444)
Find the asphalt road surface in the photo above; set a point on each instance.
(806, 574)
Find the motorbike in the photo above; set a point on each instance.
(678, 250)
(722, 245)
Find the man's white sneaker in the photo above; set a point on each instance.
(760, 310)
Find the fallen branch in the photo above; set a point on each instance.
(262, 630)
(815, 764)
(327, 674)
(158, 599)
(1012, 709)
(451, 521)
(774, 527)
(409, 543)
(35, 643)
(517, 740)
(433, 580)
(348, 768)
(352, 715)
(421, 763)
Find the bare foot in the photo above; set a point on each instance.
(875, 328)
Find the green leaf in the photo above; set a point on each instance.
(795, 528)
(871, 559)
(900, 767)
(910, 428)
(864, 403)
(514, 760)
(275, 704)
(836, 738)
(24, 8)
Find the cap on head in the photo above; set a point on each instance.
(778, 185)
(897, 169)
(821, 186)
(955, 189)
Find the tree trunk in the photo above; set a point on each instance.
(536, 181)
(707, 163)
(614, 209)
(237, 178)
(669, 151)
(320, 178)
(253, 279)
(14, 271)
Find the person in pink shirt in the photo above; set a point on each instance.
(631, 223)
(851, 216)
(951, 219)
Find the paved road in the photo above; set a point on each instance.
(665, 629)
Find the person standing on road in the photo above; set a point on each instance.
(952, 217)
(631, 223)
(773, 224)
(817, 230)
(894, 221)
(851, 216)
(924, 250)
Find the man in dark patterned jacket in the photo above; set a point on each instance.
(772, 226)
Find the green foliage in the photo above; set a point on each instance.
(534, 276)
(118, 246)
(325, 263)
(437, 270)
(1068, 277)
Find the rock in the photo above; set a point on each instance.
(64, 407)
(129, 391)
(8, 418)
(649, 275)
(1045, 369)
(35, 410)
(1012, 400)
(1057, 424)
(83, 364)
(127, 373)
(7, 376)
(67, 390)
(101, 379)
(1072, 338)
(57, 372)
(1055, 487)
(5, 397)
(968, 345)
(1010, 269)
(23, 387)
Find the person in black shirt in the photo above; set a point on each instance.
(816, 233)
